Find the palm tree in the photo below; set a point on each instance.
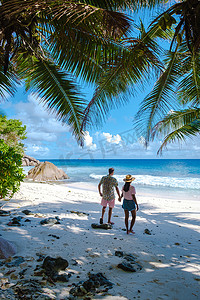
(49, 43)
(172, 107)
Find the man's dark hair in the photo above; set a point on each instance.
(111, 170)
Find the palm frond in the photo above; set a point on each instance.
(160, 100)
(189, 87)
(19, 5)
(80, 14)
(177, 126)
(114, 85)
(83, 54)
(57, 90)
(7, 84)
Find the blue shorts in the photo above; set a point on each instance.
(128, 205)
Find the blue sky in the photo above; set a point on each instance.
(48, 138)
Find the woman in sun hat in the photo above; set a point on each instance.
(129, 202)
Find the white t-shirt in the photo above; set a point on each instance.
(128, 195)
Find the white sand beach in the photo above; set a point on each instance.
(170, 256)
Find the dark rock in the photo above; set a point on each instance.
(40, 259)
(129, 257)
(53, 265)
(101, 226)
(55, 236)
(49, 221)
(41, 255)
(90, 285)
(62, 277)
(16, 261)
(147, 231)
(129, 264)
(27, 212)
(100, 278)
(119, 253)
(27, 289)
(129, 267)
(4, 213)
(74, 262)
(126, 267)
(15, 221)
(27, 220)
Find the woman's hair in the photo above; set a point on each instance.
(126, 186)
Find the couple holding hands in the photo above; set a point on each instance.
(108, 198)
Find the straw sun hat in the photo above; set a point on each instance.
(129, 178)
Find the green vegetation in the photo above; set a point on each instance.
(11, 152)
(48, 44)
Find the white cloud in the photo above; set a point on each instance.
(113, 139)
(36, 150)
(41, 136)
(41, 126)
(88, 141)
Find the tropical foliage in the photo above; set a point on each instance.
(12, 133)
(172, 107)
(11, 172)
(49, 44)
(11, 152)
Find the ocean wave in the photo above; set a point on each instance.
(149, 180)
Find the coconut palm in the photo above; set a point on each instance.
(131, 69)
(48, 44)
(172, 107)
(178, 125)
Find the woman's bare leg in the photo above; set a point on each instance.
(133, 212)
(126, 220)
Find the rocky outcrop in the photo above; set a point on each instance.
(45, 171)
(6, 248)
(29, 161)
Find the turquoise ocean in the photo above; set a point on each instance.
(152, 175)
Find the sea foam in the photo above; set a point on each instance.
(149, 180)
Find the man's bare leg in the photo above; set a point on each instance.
(126, 220)
(102, 214)
(133, 212)
(109, 214)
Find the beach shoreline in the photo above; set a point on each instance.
(169, 256)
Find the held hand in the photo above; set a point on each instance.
(119, 199)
